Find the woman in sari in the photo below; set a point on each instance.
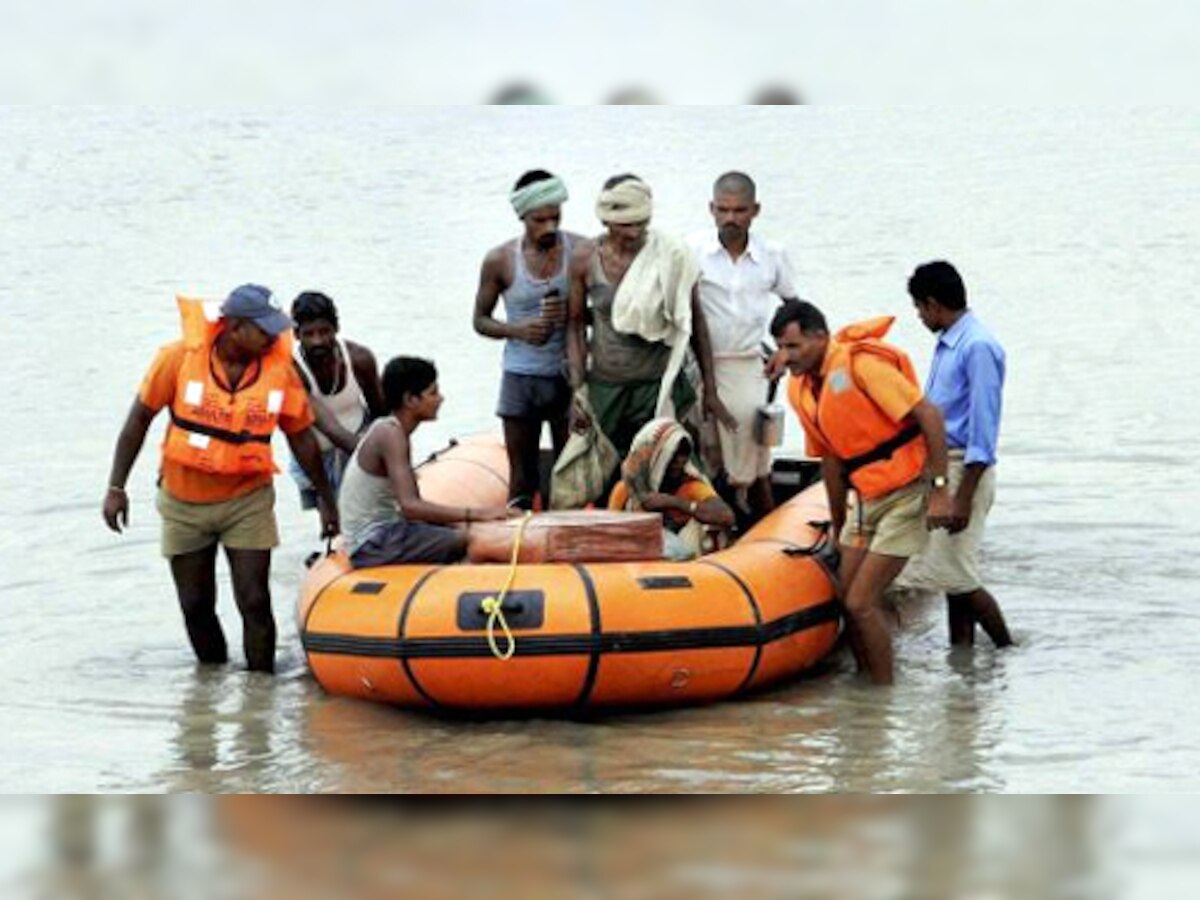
(660, 476)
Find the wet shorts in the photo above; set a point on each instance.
(533, 396)
(891, 525)
(243, 523)
(950, 562)
(394, 543)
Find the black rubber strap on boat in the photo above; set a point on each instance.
(883, 451)
(476, 647)
(229, 437)
(403, 623)
(589, 680)
(312, 607)
(758, 620)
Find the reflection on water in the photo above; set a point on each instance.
(1071, 228)
(237, 731)
(224, 728)
(242, 847)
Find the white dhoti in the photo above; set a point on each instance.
(742, 388)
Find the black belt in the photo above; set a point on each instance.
(883, 451)
(229, 437)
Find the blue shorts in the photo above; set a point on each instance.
(541, 397)
(334, 461)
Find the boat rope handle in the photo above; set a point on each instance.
(494, 606)
(433, 457)
(824, 550)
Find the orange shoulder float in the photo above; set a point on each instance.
(880, 455)
(586, 634)
(211, 429)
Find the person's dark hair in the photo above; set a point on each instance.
(810, 319)
(518, 93)
(533, 176)
(313, 305)
(620, 179)
(777, 95)
(736, 183)
(406, 375)
(941, 281)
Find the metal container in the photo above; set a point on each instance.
(768, 425)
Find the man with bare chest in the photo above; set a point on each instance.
(636, 290)
(342, 379)
(530, 273)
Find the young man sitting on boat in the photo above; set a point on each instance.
(384, 519)
(659, 476)
(342, 379)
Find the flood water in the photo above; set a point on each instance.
(1077, 234)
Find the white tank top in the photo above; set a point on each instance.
(365, 500)
(348, 405)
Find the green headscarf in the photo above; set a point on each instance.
(548, 192)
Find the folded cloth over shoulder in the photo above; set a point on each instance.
(654, 301)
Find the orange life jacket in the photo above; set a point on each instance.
(879, 455)
(212, 429)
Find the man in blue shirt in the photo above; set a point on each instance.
(966, 380)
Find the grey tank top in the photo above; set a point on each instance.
(615, 356)
(365, 500)
(523, 300)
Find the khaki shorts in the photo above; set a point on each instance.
(950, 563)
(243, 523)
(891, 525)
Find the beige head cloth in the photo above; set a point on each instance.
(626, 203)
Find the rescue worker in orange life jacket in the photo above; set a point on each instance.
(228, 383)
(865, 416)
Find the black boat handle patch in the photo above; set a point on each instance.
(522, 609)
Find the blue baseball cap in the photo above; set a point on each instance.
(256, 303)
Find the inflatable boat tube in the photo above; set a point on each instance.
(583, 635)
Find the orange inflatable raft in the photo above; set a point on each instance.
(583, 635)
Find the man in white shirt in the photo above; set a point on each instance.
(744, 278)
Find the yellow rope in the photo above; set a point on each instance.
(494, 606)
